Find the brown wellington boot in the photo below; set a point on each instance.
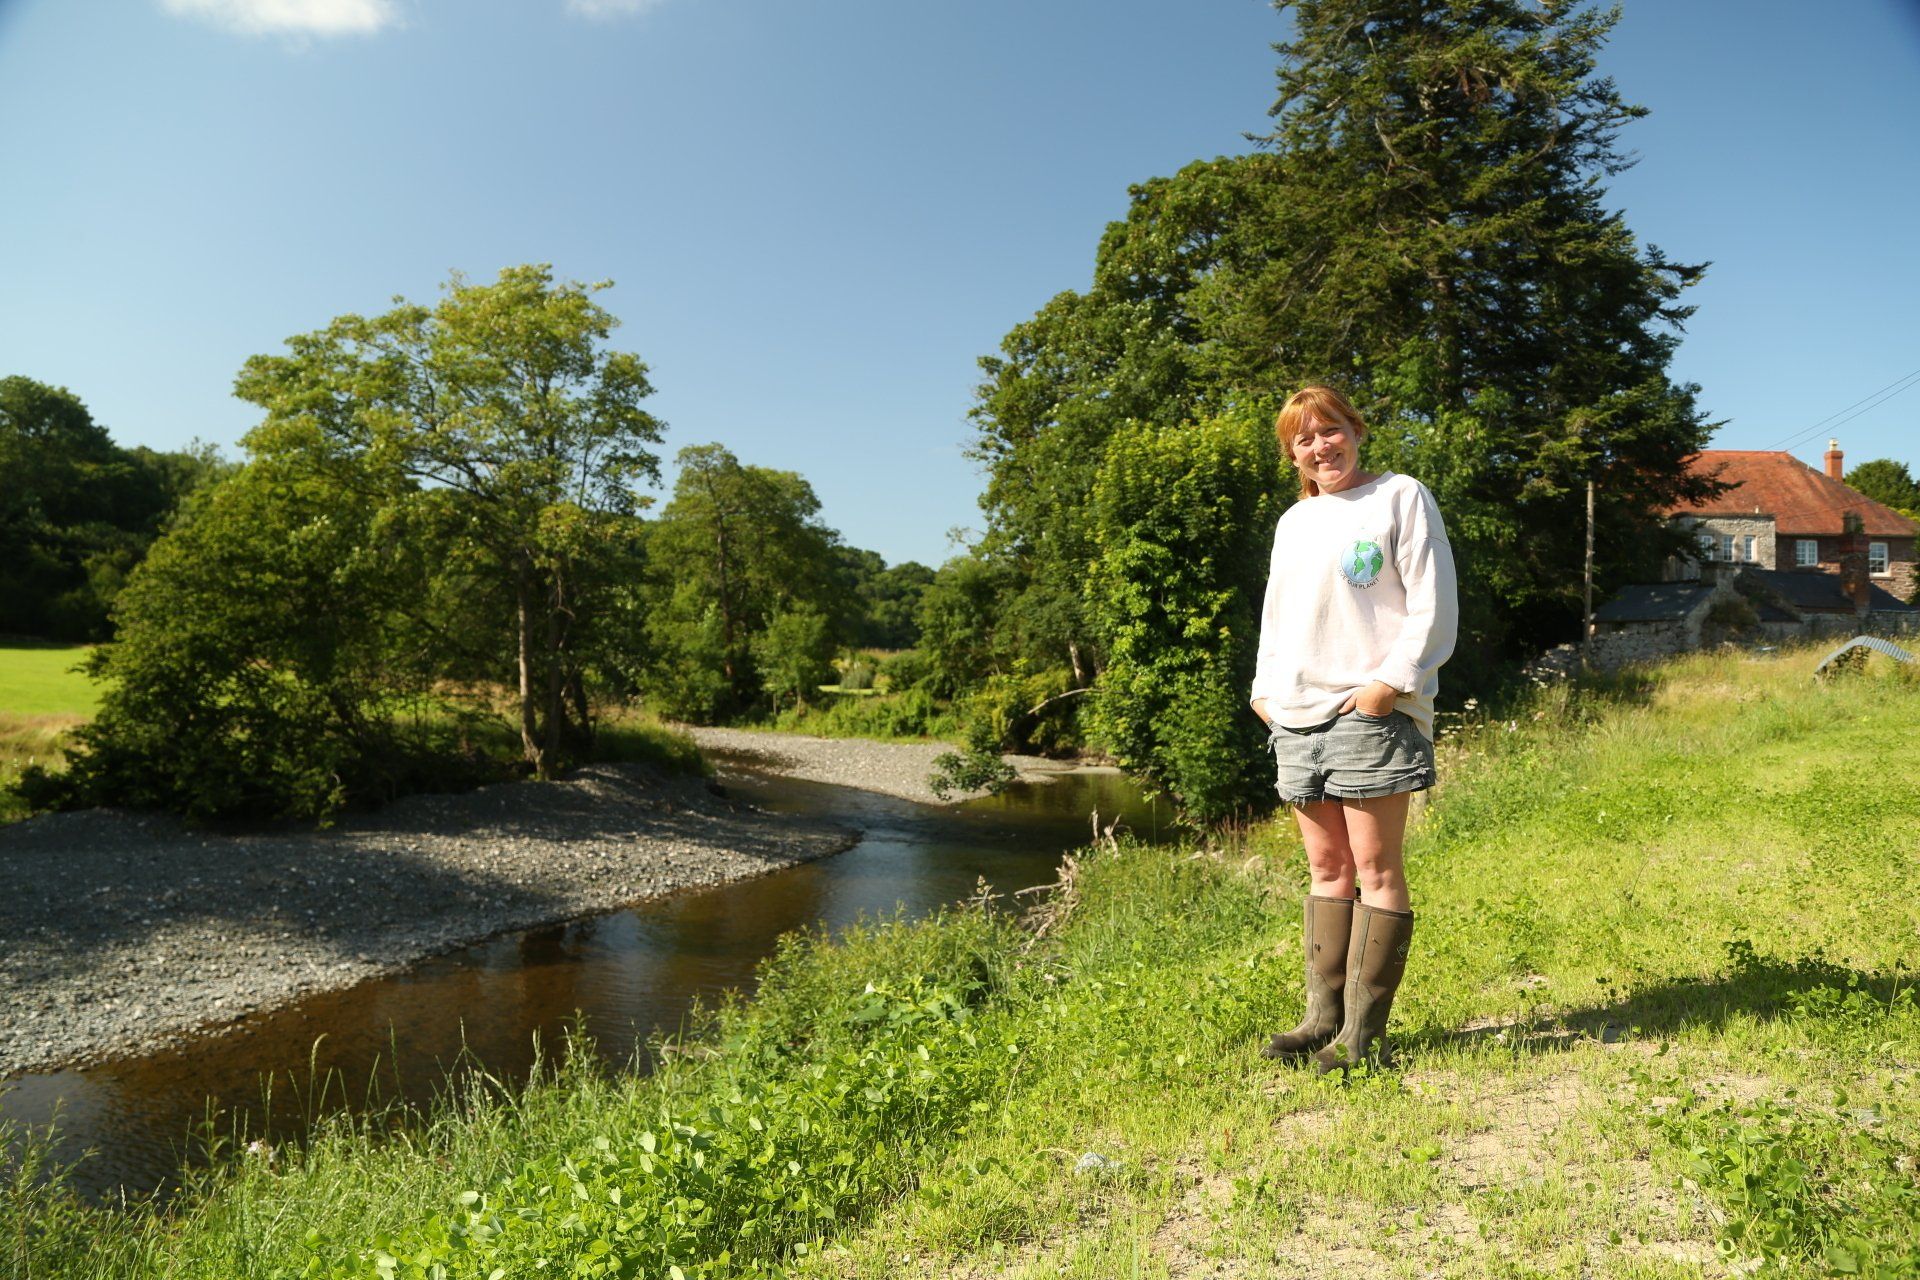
(1376, 961)
(1324, 925)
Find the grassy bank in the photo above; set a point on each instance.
(1657, 1023)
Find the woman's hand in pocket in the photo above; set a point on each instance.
(1376, 700)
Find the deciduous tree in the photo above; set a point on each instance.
(507, 411)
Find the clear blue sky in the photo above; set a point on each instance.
(818, 214)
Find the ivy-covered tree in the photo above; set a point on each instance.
(1182, 517)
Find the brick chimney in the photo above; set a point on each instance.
(1833, 461)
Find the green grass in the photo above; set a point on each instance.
(40, 680)
(1657, 1023)
(41, 698)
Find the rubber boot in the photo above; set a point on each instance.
(1376, 961)
(1324, 925)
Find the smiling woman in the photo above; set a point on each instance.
(1360, 613)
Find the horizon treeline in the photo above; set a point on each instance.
(77, 511)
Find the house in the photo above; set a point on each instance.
(1787, 552)
(1784, 517)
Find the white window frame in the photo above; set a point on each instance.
(1877, 562)
(1726, 548)
(1749, 548)
(1806, 553)
(1707, 543)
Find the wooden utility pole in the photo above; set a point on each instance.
(1586, 633)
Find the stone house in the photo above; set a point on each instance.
(1784, 517)
(1789, 552)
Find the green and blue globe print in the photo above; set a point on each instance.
(1360, 564)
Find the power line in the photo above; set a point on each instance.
(1904, 383)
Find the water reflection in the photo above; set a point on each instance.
(629, 974)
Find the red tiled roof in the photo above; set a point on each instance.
(1800, 499)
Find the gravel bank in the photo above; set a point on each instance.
(119, 931)
(894, 768)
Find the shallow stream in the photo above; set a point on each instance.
(625, 976)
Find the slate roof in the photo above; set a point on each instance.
(1814, 592)
(1800, 499)
(1653, 602)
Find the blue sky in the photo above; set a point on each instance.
(818, 214)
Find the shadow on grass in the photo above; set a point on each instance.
(1755, 986)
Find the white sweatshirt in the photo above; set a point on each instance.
(1361, 589)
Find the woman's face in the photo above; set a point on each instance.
(1327, 453)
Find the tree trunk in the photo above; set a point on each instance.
(529, 710)
(556, 726)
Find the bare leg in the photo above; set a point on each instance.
(1330, 862)
(1376, 833)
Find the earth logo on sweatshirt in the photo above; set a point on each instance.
(1360, 564)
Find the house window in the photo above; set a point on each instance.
(1726, 547)
(1746, 547)
(1876, 557)
(1806, 552)
(1706, 546)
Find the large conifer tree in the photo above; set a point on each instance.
(1425, 225)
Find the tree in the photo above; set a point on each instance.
(77, 512)
(521, 435)
(735, 547)
(1434, 203)
(794, 654)
(1887, 482)
(259, 668)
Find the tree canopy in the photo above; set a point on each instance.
(515, 430)
(1888, 482)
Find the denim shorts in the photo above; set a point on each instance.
(1351, 757)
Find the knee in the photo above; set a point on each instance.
(1379, 873)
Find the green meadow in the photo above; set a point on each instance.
(1658, 1022)
(41, 698)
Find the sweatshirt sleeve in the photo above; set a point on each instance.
(1425, 561)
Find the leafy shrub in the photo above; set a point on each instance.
(978, 768)
(904, 670)
(856, 674)
(1183, 518)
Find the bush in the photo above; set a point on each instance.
(260, 670)
(904, 670)
(1183, 519)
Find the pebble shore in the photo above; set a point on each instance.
(121, 932)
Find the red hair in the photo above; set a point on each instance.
(1306, 407)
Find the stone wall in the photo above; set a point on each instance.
(1641, 642)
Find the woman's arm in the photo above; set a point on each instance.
(1425, 561)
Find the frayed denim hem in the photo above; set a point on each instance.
(1419, 782)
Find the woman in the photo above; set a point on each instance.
(1360, 613)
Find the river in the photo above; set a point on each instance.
(622, 977)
